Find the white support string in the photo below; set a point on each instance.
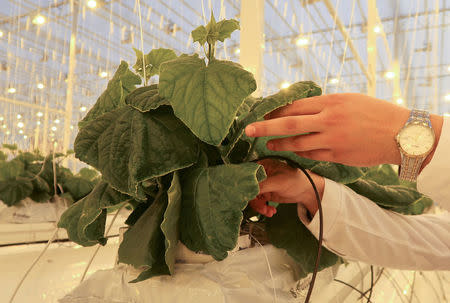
(98, 245)
(331, 48)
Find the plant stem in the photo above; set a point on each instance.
(252, 149)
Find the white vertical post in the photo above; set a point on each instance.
(371, 47)
(45, 130)
(70, 76)
(252, 39)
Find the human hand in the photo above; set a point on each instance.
(285, 184)
(348, 128)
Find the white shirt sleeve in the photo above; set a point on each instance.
(434, 180)
(358, 229)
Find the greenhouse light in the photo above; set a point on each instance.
(302, 41)
(40, 85)
(57, 121)
(447, 97)
(334, 81)
(8, 132)
(389, 75)
(446, 114)
(20, 125)
(1, 34)
(377, 29)
(39, 20)
(54, 128)
(83, 109)
(284, 85)
(21, 131)
(92, 4)
(71, 127)
(103, 74)
(12, 90)
(237, 51)
(19, 116)
(38, 122)
(4, 126)
(25, 136)
(399, 101)
(1, 118)
(39, 114)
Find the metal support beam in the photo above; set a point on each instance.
(346, 35)
(252, 39)
(371, 47)
(70, 76)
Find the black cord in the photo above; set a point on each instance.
(355, 289)
(371, 283)
(319, 205)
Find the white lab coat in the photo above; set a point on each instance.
(357, 229)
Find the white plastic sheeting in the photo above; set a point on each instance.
(242, 277)
(29, 211)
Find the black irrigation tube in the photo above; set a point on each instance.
(319, 205)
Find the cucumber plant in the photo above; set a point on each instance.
(176, 151)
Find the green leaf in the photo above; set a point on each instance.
(259, 109)
(123, 82)
(415, 208)
(14, 190)
(213, 201)
(385, 195)
(383, 175)
(338, 172)
(78, 187)
(146, 98)
(88, 173)
(286, 231)
(225, 28)
(40, 196)
(143, 243)
(28, 158)
(85, 220)
(199, 35)
(11, 147)
(11, 169)
(153, 60)
(129, 147)
(137, 212)
(205, 98)
(170, 225)
(3, 156)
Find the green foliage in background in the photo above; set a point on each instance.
(29, 174)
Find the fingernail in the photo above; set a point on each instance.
(250, 130)
(270, 146)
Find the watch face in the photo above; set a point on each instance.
(416, 139)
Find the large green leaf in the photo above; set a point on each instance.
(170, 225)
(385, 195)
(85, 220)
(14, 190)
(214, 31)
(143, 243)
(129, 147)
(415, 208)
(259, 109)
(146, 98)
(286, 231)
(383, 175)
(213, 200)
(153, 61)
(88, 173)
(11, 169)
(78, 187)
(338, 172)
(123, 82)
(205, 98)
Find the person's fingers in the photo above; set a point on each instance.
(298, 143)
(307, 106)
(260, 206)
(273, 185)
(285, 126)
(318, 155)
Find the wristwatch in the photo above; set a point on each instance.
(415, 141)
